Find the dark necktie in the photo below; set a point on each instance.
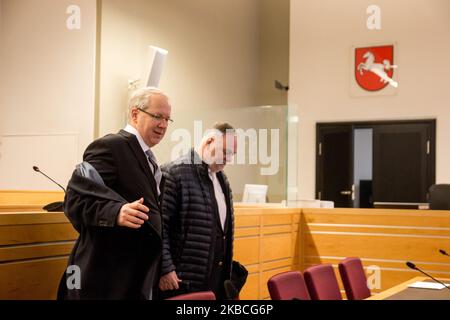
(155, 168)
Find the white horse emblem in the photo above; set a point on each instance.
(377, 68)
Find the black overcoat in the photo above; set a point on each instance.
(115, 262)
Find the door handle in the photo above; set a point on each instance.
(350, 193)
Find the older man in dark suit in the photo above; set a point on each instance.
(117, 213)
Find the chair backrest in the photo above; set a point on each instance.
(322, 283)
(202, 295)
(354, 279)
(288, 286)
(439, 197)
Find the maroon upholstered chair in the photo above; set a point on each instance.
(354, 279)
(288, 286)
(202, 295)
(322, 283)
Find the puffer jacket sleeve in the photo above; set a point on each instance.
(170, 209)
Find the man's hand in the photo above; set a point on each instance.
(169, 281)
(133, 215)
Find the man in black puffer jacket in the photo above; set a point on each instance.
(197, 211)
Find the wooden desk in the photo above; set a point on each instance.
(13, 201)
(34, 248)
(428, 294)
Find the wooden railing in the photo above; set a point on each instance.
(27, 201)
(34, 246)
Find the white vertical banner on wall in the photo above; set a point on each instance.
(157, 60)
(151, 75)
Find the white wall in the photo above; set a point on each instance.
(274, 51)
(47, 83)
(213, 53)
(222, 54)
(322, 34)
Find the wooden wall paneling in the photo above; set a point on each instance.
(34, 248)
(383, 239)
(31, 279)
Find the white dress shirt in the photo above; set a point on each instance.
(220, 198)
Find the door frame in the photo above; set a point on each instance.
(319, 174)
(370, 125)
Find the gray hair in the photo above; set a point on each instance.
(223, 127)
(141, 98)
(219, 129)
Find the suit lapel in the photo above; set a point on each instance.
(142, 160)
(154, 220)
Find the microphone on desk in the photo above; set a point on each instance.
(54, 206)
(444, 252)
(414, 267)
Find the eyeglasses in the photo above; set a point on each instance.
(157, 117)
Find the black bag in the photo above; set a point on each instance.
(238, 278)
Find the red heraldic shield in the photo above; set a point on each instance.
(374, 67)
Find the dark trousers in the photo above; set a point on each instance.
(216, 282)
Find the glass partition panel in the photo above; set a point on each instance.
(264, 135)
